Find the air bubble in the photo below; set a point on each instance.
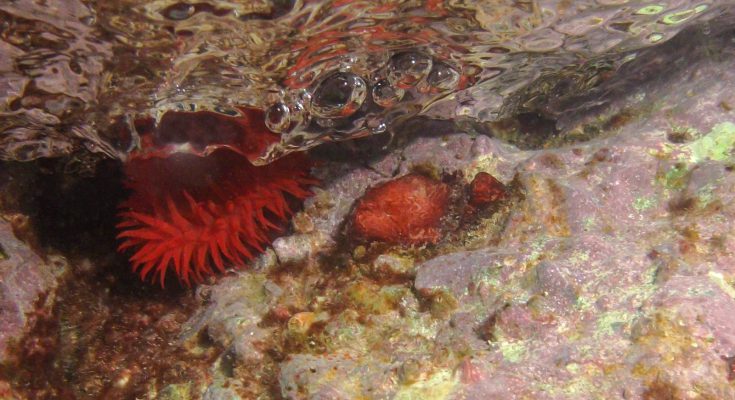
(278, 118)
(326, 123)
(178, 11)
(407, 69)
(386, 95)
(301, 97)
(442, 76)
(299, 116)
(338, 95)
(376, 125)
(230, 112)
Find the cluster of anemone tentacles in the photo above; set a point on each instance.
(198, 214)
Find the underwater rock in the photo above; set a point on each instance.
(296, 248)
(25, 278)
(218, 393)
(618, 256)
(703, 305)
(448, 153)
(232, 315)
(386, 265)
(333, 377)
(452, 272)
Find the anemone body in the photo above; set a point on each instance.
(197, 214)
(407, 210)
(485, 189)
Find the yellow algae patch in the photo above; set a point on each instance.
(437, 387)
(513, 351)
(611, 321)
(720, 281)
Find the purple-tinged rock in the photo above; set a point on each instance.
(24, 278)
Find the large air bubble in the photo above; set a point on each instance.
(338, 95)
(443, 76)
(385, 94)
(407, 69)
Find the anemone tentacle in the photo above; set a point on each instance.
(195, 228)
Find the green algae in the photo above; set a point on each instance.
(424, 327)
(442, 303)
(252, 287)
(678, 17)
(635, 294)
(650, 10)
(537, 248)
(583, 385)
(589, 223)
(584, 303)
(513, 351)
(489, 277)
(698, 291)
(706, 194)
(612, 321)
(646, 289)
(372, 299)
(348, 331)
(438, 386)
(579, 257)
(178, 391)
(644, 203)
(675, 177)
(573, 368)
(718, 279)
(717, 145)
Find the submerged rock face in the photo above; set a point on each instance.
(611, 276)
(24, 279)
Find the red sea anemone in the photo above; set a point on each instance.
(485, 189)
(407, 210)
(197, 211)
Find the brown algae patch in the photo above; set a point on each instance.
(108, 339)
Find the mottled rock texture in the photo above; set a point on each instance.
(24, 279)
